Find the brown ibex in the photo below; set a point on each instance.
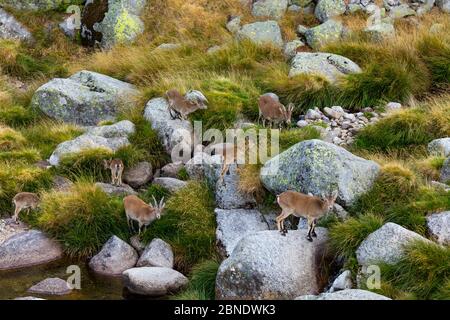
(181, 107)
(24, 200)
(116, 166)
(143, 213)
(272, 110)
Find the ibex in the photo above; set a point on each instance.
(116, 166)
(180, 107)
(302, 205)
(144, 214)
(24, 200)
(272, 110)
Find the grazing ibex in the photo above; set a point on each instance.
(24, 200)
(181, 107)
(302, 205)
(144, 214)
(116, 166)
(272, 110)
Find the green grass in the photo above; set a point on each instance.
(423, 273)
(188, 225)
(436, 54)
(82, 220)
(288, 138)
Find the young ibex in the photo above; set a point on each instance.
(302, 205)
(144, 214)
(272, 110)
(180, 107)
(24, 200)
(116, 166)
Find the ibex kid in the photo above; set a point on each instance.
(116, 166)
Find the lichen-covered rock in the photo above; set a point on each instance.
(37, 4)
(401, 11)
(172, 132)
(235, 224)
(28, 249)
(439, 227)
(328, 65)
(86, 98)
(234, 24)
(318, 167)
(157, 254)
(10, 28)
(267, 265)
(380, 31)
(111, 22)
(51, 286)
(325, 33)
(138, 175)
(445, 172)
(171, 184)
(291, 48)
(262, 32)
(154, 281)
(348, 294)
(444, 5)
(326, 9)
(111, 138)
(273, 9)
(439, 147)
(118, 191)
(115, 257)
(171, 170)
(385, 245)
(196, 166)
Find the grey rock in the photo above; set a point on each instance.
(28, 298)
(301, 30)
(172, 133)
(385, 245)
(266, 265)
(444, 5)
(342, 282)
(62, 184)
(319, 167)
(445, 172)
(393, 106)
(51, 286)
(380, 31)
(325, 33)
(273, 9)
(265, 32)
(439, 227)
(302, 123)
(10, 28)
(157, 254)
(401, 11)
(115, 257)
(440, 185)
(326, 9)
(67, 26)
(313, 114)
(121, 129)
(235, 224)
(139, 175)
(168, 46)
(172, 169)
(171, 184)
(34, 5)
(154, 281)
(86, 98)
(348, 294)
(439, 147)
(28, 248)
(234, 24)
(196, 166)
(330, 66)
(118, 191)
(290, 48)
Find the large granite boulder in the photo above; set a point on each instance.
(138, 175)
(157, 254)
(325, 33)
(328, 65)
(326, 9)
(235, 224)
(111, 138)
(262, 33)
(110, 22)
(116, 191)
(273, 9)
(115, 257)
(439, 147)
(439, 227)
(86, 98)
(319, 168)
(10, 28)
(267, 265)
(28, 249)
(154, 281)
(386, 245)
(51, 286)
(348, 294)
(172, 132)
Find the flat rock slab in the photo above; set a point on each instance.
(28, 248)
(157, 254)
(154, 281)
(51, 286)
(348, 294)
(8, 228)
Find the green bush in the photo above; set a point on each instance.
(82, 220)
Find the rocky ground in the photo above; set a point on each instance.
(366, 124)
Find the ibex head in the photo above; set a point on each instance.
(158, 207)
(330, 200)
(288, 113)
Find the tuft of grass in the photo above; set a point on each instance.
(288, 138)
(423, 273)
(188, 225)
(82, 220)
(10, 139)
(250, 183)
(436, 54)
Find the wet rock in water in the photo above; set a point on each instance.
(235, 224)
(115, 257)
(348, 294)
(112, 190)
(139, 175)
(157, 254)
(28, 248)
(386, 245)
(154, 281)
(171, 184)
(267, 265)
(262, 32)
(439, 227)
(51, 286)
(86, 98)
(10, 28)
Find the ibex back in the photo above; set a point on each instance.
(116, 166)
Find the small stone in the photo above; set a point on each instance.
(302, 123)
(171, 184)
(51, 286)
